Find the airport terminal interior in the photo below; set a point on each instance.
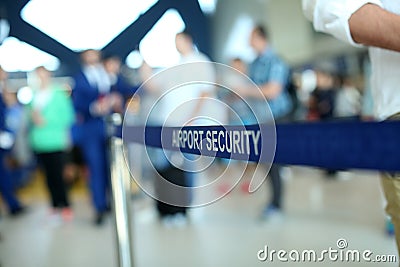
(56, 211)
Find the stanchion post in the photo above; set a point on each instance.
(120, 185)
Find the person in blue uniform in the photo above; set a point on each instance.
(95, 96)
(112, 65)
(6, 142)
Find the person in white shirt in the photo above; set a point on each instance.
(186, 92)
(185, 95)
(375, 24)
(94, 99)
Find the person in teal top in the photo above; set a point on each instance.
(51, 114)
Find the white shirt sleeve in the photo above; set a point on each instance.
(332, 16)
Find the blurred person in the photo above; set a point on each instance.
(239, 65)
(20, 159)
(240, 109)
(93, 101)
(271, 74)
(323, 100)
(130, 101)
(348, 100)
(205, 111)
(375, 24)
(323, 97)
(201, 92)
(176, 109)
(6, 142)
(112, 65)
(240, 113)
(52, 115)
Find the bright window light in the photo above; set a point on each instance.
(208, 6)
(158, 46)
(134, 60)
(20, 56)
(81, 25)
(237, 44)
(4, 29)
(25, 95)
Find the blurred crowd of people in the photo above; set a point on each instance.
(55, 126)
(60, 124)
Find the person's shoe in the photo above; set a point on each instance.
(67, 214)
(180, 220)
(54, 217)
(108, 209)
(272, 214)
(389, 227)
(331, 174)
(17, 211)
(99, 219)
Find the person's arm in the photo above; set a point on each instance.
(80, 97)
(355, 21)
(205, 72)
(124, 88)
(278, 75)
(65, 115)
(268, 90)
(371, 25)
(333, 16)
(199, 103)
(271, 90)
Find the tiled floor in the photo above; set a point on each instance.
(318, 212)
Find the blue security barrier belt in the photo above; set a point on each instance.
(333, 145)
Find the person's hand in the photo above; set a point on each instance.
(37, 118)
(116, 102)
(101, 107)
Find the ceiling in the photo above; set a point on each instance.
(129, 33)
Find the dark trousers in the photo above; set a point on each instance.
(90, 137)
(53, 166)
(94, 151)
(6, 186)
(177, 177)
(276, 185)
(275, 175)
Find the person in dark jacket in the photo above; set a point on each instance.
(6, 143)
(95, 97)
